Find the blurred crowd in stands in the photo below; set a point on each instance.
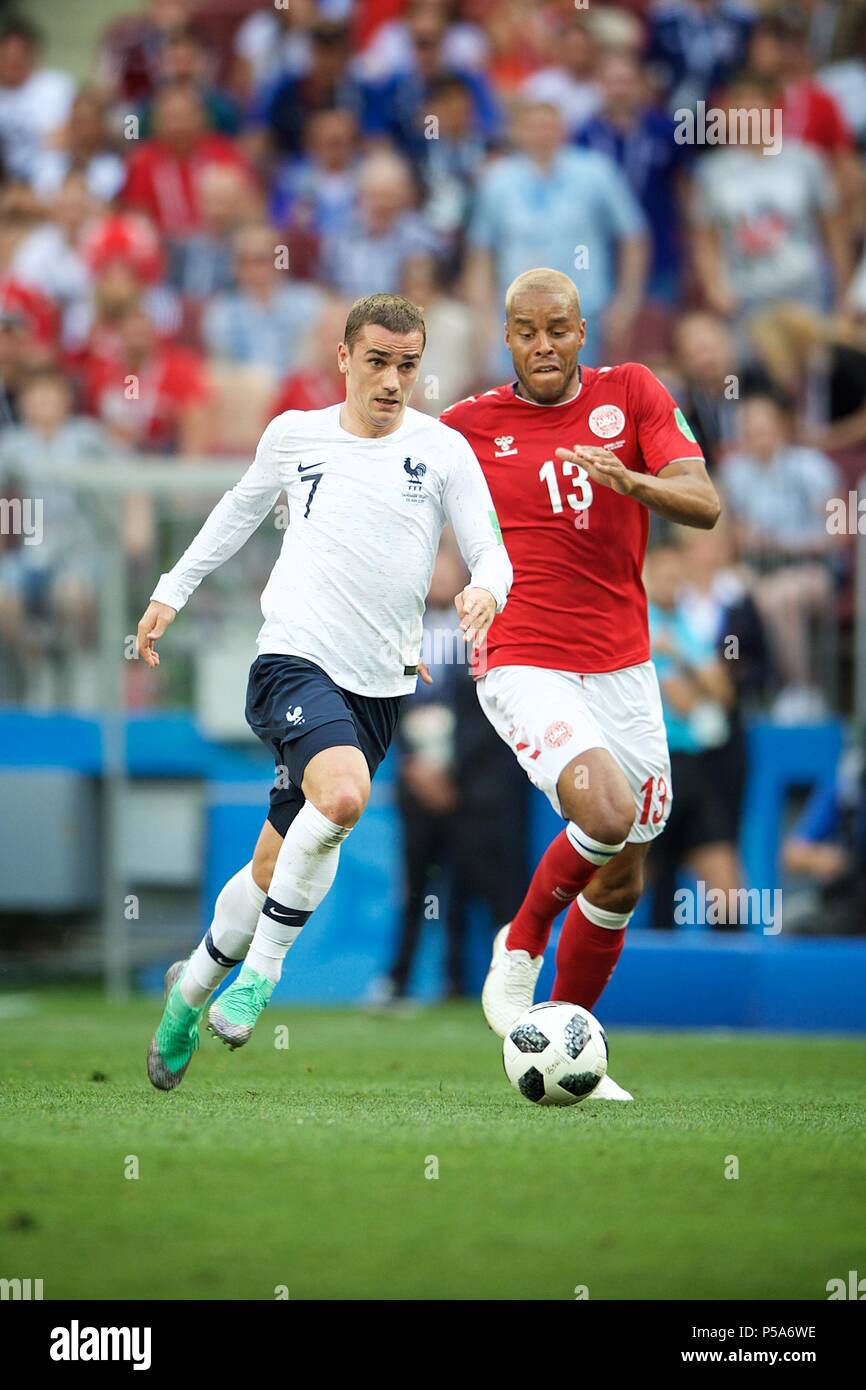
(181, 234)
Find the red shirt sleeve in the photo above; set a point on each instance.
(455, 415)
(834, 134)
(97, 375)
(138, 189)
(184, 379)
(663, 432)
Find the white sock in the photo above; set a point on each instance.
(595, 851)
(602, 917)
(305, 869)
(228, 937)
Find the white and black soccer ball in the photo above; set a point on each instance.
(555, 1054)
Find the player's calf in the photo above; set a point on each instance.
(593, 933)
(305, 869)
(264, 860)
(618, 887)
(595, 796)
(592, 938)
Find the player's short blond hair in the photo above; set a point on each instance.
(542, 280)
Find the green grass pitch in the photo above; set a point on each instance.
(306, 1168)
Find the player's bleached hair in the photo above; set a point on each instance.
(389, 311)
(543, 280)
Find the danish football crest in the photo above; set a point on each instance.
(607, 421)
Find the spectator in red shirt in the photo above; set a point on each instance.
(35, 314)
(370, 15)
(125, 265)
(164, 173)
(154, 396)
(132, 48)
(779, 51)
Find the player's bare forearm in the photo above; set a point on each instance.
(680, 492)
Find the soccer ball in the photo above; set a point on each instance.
(555, 1054)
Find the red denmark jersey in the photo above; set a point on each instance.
(577, 602)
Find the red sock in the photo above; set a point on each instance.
(563, 872)
(586, 957)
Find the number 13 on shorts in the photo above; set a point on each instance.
(655, 797)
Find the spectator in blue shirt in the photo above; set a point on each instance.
(571, 209)
(697, 697)
(450, 163)
(397, 106)
(826, 852)
(264, 319)
(696, 45)
(320, 188)
(640, 140)
(282, 106)
(371, 249)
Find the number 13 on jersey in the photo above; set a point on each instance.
(580, 498)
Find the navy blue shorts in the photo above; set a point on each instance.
(297, 710)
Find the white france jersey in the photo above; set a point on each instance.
(365, 515)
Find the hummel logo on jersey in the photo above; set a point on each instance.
(504, 443)
(296, 715)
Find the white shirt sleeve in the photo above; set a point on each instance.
(232, 521)
(469, 508)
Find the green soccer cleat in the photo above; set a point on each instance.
(176, 1038)
(232, 1017)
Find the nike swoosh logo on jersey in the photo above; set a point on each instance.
(305, 467)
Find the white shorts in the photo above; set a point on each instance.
(549, 717)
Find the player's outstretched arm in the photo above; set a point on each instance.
(234, 518)
(680, 492)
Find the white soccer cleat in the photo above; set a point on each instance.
(607, 1089)
(509, 989)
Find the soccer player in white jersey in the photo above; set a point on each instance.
(370, 484)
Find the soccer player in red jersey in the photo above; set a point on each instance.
(576, 458)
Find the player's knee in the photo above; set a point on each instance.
(343, 800)
(264, 863)
(609, 819)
